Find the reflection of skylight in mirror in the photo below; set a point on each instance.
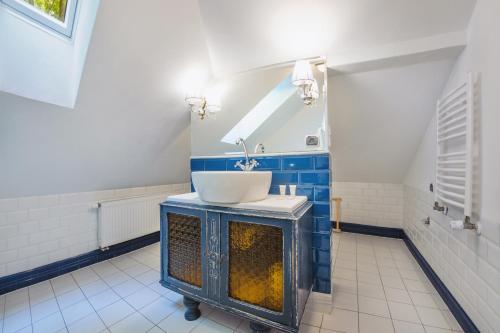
(261, 112)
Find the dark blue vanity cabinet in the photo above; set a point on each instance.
(255, 264)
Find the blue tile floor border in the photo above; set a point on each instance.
(311, 174)
(23, 279)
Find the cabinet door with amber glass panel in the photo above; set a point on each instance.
(256, 266)
(183, 256)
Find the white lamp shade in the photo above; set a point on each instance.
(302, 73)
(194, 97)
(213, 103)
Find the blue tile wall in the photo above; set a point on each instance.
(311, 174)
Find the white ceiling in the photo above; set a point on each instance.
(244, 34)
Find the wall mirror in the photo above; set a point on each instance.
(277, 107)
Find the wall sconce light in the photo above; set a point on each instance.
(304, 79)
(203, 105)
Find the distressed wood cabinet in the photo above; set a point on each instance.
(255, 264)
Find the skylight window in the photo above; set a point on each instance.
(58, 15)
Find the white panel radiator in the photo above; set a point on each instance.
(124, 219)
(454, 159)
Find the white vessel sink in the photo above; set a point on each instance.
(232, 186)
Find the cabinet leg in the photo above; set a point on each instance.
(258, 328)
(192, 311)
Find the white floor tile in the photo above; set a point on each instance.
(423, 299)
(43, 309)
(393, 282)
(84, 276)
(345, 301)
(406, 327)
(116, 278)
(94, 288)
(346, 286)
(371, 290)
(89, 324)
(70, 298)
(312, 318)
(174, 297)
(156, 329)
(141, 298)
(104, 299)
(128, 288)
(52, 323)
(136, 270)
(404, 312)
(308, 329)
(104, 268)
(319, 307)
(40, 292)
(148, 277)
(430, 329)
(209, 326)
(225, 319)
(123, 262)
(374, 324)
(370, 278)
(414, 285)
(15, 306)
(373, 306)
(343, 273)
(159, 310)
(135, 323)
(62, 284)
(17, 296)
(397, 295)
(115, 312)
(432, 317)
(176, 323)
(17, 321)
(341, 320)
(77, 311)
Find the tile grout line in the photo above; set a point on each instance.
(58, 305)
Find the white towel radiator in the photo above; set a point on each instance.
(454, 159)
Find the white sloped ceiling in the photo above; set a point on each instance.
(244, 34)
(379, 117)
(130, 125)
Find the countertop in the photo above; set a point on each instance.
(273, 203)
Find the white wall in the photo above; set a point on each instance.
(38, 230)
(377, 204)
(468, 264)
(378, 118)
(37, 63)
(130, 125)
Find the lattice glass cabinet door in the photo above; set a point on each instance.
(184, 251)
(183, 255)
(256, 268)
(256, 264)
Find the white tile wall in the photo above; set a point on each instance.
(35, 231)
(468, 264)
(378, 204)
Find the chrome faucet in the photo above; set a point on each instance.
(249, 164)
(259, 146)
